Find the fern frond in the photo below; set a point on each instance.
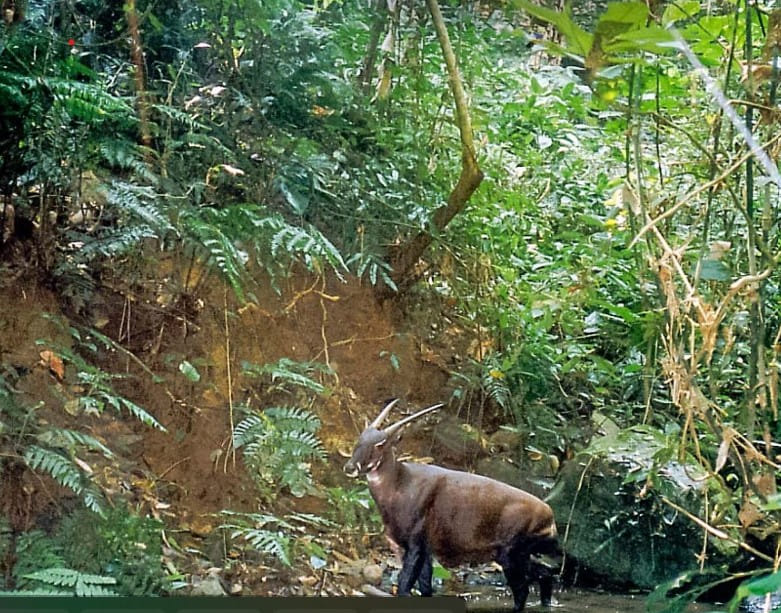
(496, 388)
(300, 444)
(61, 469)
(290, 418)
(308, 244)
(180, 116)
(266, 541)
(119, 403)
(309, 519)
(264, 532)
(65, 472)
(246, 431)
(61, 437)
(278, 445)
(141, 202)
(80, 584)
(86, 101)
(116, 243)
(286, 370)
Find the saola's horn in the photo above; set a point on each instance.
(381, 417)
(399, 424)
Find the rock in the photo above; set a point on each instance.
(456, 442)
(372, 574)
(503, 469)
(505, 440)
(210, 586)
(621, 532)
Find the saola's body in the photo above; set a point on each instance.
(456, 516)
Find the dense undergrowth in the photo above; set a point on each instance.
(616, 266)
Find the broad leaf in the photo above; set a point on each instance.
(579, 40)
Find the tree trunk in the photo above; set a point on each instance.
(137, 57)
(407, 255)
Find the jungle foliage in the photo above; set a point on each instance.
(619, 258)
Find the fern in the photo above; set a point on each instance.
(34, 550)
(65, 472)
(278, 445)
(60, 468)
(125, 154)
(141, 203)
(376, 267)
(71, 439)
(307, 244)
(115, 243)
(265, 533)
(75, 583)
(217, 233)
(98, 383)
(179, 116)
(288, 372)
(219, 249)
(495, 386)
(120, 544)
(293, 419)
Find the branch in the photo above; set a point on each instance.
(471, 175)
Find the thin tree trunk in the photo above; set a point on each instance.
(137, 57)
(405, 258)
(367, 70)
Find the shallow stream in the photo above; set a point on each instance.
(573, 601)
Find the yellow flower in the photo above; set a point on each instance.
(496, 374)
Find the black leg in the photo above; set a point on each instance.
(544, 576)
(516, 570)
(411, 565)
(424, 579)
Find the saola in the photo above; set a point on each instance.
(456, 516)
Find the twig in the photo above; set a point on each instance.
(715, 531)
(232, 453)
(170, 468)
(572, 509)
(695, 192)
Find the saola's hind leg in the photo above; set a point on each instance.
(544, 576)
(515, 564)
(426, 574)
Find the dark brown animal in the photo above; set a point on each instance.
(456, 516)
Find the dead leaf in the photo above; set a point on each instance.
(765, 484)
(723, 454)
(83, 465)
(749, 515)
(72, 407)
(54, 363)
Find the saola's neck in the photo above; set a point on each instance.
(386, 475)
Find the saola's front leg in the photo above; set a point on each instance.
(415, 566)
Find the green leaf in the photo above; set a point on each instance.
(630, 13)
(759, 587)
(579, 40)
(652, 39)
(683, 9)
(189, 371)
(773, 503)
(440, 572)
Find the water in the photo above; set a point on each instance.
(570, 601)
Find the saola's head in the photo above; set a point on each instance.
(373, 442)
